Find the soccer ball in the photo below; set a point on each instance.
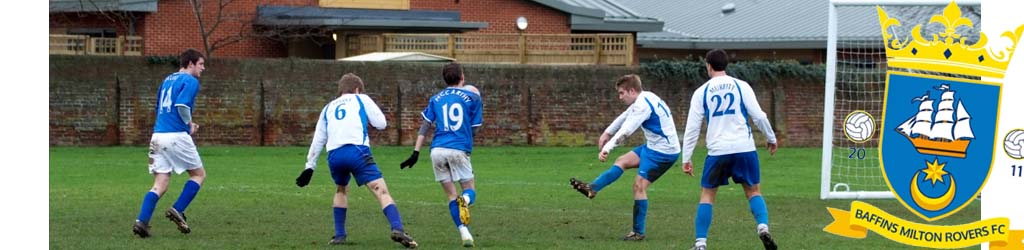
(1014, 144)
(471, 88)
(859, 126)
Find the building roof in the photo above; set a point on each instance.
(363, 18)
(603, 15)
(759, 24)
(102, 5)
(398, 56)
(585, 15)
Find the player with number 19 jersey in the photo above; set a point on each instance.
(456, 112)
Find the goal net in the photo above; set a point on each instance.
(855, 88)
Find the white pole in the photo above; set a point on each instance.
(830, 99)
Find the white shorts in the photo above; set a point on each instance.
(173, 151)
(451, 165)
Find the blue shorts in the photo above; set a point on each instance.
(354, 160)
(653, 164)
(742, 167)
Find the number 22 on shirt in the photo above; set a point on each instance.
(720, 110)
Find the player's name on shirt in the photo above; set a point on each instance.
(342, 101)
(461, 93)
(720, 87)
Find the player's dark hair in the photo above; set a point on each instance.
(452, 74)
(717, 59)
(349, 83)
(188, 56)
(629, 82)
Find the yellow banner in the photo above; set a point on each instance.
(863, 217)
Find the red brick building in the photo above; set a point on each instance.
(307, 28)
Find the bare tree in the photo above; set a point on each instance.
(208, 26)
(245, 21)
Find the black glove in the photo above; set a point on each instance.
(412, 160)
(303, 179)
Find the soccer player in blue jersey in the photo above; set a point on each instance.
(647, 111)
(171, 147)
(726, 103)
(458, 113)
(342, 127)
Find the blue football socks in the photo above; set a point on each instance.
(148, 204)
(391, 212)
(639, 215)
(606, 178)
(472, 195)
(187, 194)
(339, 222)
(453, 208)
(759, 209)
(703, 221)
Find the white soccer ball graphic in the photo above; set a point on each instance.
(859, 126)
(1014, 144)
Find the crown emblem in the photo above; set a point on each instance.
(947, 50)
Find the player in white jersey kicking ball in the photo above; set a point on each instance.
(646, 110)
(342, 128)
(727, 102)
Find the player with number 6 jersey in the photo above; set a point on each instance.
(341, 128)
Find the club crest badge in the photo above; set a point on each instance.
(937, 140)
(937, 136)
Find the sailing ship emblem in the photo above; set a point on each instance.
(945, 131)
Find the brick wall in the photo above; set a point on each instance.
(801, 55)
(174, 27)
(501, 15)
(109, 101)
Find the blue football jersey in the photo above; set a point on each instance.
(454, 112)
(178, 89)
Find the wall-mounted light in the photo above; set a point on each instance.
(521, 23)
(334, 36)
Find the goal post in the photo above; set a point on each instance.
(855, 74)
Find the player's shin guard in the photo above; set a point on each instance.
(339, 222)
(187, 194)
(453, 208)
(391, 212)
(703, 221)
(470, 196)
(148, 204)
(613, 173)
(759, 209)
(639, 215)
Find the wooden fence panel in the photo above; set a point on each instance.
(85, 45)
(611, 49)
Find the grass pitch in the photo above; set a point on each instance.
(250, 201)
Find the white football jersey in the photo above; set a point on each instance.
(653, 115)
(726, 103)
(344, 121)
